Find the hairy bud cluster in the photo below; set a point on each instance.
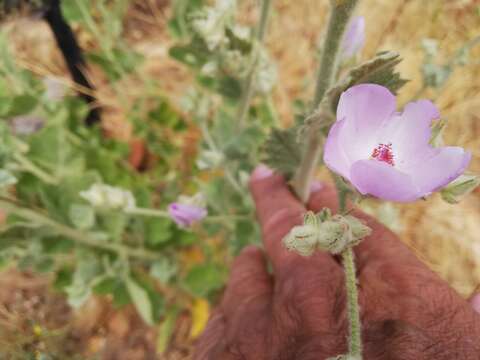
(108, 197)
(325, 232)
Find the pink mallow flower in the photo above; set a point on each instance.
(385, 153)
(354, 38)
(186, 214)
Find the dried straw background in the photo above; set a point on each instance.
(446, 237)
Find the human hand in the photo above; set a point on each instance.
(299, 312)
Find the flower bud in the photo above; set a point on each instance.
(359, 229)
(108, 197)
(460, 187)
(188, 210)
(334, 236)
(302, 239)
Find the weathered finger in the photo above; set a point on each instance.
(249, 281)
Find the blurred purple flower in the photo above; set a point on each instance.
(26, 124)
(186, 214)
(385, 153)
(354, 37)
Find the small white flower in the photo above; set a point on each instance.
(108, 197)
(210, 22)
(241, 32)
(55, 89)
(196, 200)
(266, 76)
(210, 68)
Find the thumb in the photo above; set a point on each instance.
(475, 300)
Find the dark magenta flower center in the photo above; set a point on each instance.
(383, 152)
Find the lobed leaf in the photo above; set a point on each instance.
(283, 151)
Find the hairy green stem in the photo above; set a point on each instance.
(353, 310)
(75, 235)
(30, 167)
(147, 212)
(213, 146)
(248, 88)
(339, 17)
(355, 326)
(164, 214)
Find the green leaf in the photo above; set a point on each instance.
(82, 216)
(114, 223)
(282, 151)
(115, 287)
(157, 231)
(19, 105)
(379, 70)
(141, 300)
(118, 63)
(166, 329)
(459, 188)
(244, 143)
(56, 245)
(182, 11)
(71, 11)
(88, 268)
(202, 279)
(246, 232)
(229, 87)
(163, 270)
(194, 54)
(63, 278)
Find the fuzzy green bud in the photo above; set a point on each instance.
(302, 239)
(325, 232)
(460, 187)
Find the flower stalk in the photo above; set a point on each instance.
(77, 236)
(29, 166)
(341, 13)
(248, 87)
(353, 311)
(348, 261)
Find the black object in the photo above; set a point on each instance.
(51, 12)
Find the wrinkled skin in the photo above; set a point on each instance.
(407, 311)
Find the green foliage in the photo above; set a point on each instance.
(379, 70)
(50, 227)
(203, 279)
(435, 73)
(141, 300)
(283, 150)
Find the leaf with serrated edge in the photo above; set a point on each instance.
(379, 70)
(283, 151)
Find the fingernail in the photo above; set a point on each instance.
(261, 172)
(316, 186)
(475, 302)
